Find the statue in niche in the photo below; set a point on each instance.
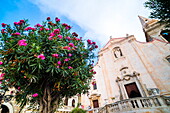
(117, 52)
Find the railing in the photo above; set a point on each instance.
(139, 103)
(64, 109)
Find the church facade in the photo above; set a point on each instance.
(128, 69)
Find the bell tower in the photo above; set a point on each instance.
(154, 29)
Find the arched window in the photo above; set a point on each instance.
(4, 109)
(94, 84)
(117, 52)
(73, 103)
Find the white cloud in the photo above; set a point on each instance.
(100, 18)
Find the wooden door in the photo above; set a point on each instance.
(132, 90)
(95, 104)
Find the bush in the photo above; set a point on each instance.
(78, 110)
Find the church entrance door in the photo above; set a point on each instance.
(132, 90)
(95, 104)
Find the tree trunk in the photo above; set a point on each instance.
(49, 100)
(48, 104)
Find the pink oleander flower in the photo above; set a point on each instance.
(38, 25)
(67, 59)
(19, 23)
(50, 38)
(3, 24)
(52, 34)
(3, 31)
(55, 55)
(35, 95)
(96, 46)
(56, 31)
(19, 88)
(94, 72)
(70, 54)
(67, 27)
(23, 21)
(94, 43)
(89, 41)
(60, 36)
(57, 19)
(59, 62)
(47, 29)
(48, 18)
(0, 82)
(57, 66)
(15, 23)
(2, 74)
(67, 47)
(29, 28)
(68, 38)
(22, 42)
(41, 56)
(75, 34)
(41, 28)
(1, 62)
(71, 44)
(69, 67)
(93, 83)
(64, 24)
(33, 29)
(15, 34)
(77, 39)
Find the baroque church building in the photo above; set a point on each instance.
(132, 75)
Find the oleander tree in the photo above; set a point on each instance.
(160, 9)
(45, 63)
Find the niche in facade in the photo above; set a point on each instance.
(117, 52)
(73, 103)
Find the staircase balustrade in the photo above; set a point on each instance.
(135, 104)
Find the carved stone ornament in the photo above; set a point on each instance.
(118, 79)
(127, 78)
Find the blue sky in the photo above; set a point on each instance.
(94, 19)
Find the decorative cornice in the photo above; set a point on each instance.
(127, 77)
